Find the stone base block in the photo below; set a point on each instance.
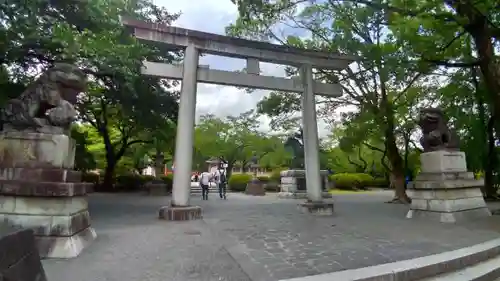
(317, 208)
(65, 246)
(451, 217)
(300, 195)
(443, 161)
(37, 150)
(448, 205)
(448, 184)
(255, 189)
(61, 225)
(49, 225)
(180, 213)
(442, 176)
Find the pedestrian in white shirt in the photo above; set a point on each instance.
(216, 178)
(205, 179)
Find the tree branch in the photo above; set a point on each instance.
(452, 64)
(373, 147)
(410, 84)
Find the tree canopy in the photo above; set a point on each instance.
(122, 107)
(411, 55)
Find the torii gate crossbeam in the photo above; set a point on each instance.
(195, 42)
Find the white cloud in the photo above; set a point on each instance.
(213, 16)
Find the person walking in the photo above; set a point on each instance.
(222, 185)
(205, 179)
(216, 178)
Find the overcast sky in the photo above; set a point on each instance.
(213, 16)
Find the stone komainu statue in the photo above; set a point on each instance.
(47, 102)
(436, 133)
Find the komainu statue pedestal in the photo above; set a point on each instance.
(39, 190)
(444, 191)
(294, 185)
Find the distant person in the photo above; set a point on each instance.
(216, 178)
(222, 185)
(205, 179)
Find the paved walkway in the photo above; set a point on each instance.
(254, 239)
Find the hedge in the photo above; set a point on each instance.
(238, 182)
(264, 179)
(353, 181)
(126, 182)
(380, 182)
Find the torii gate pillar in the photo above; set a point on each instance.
(179, 208)
(310, 137)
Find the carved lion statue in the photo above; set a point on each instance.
(436, 133)
(46, 102)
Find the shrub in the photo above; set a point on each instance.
(145, 179)
(238, 182)
(129, 182)
(91, 177)
(379, 182)
(264, 179)
(351, 181)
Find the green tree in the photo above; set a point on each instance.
(382, 81)
(437, 32)
(84, 159)
(120, 104)
(235, 139)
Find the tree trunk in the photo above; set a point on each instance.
(109, 174)
(397, 170)
(490, 190)
(406, 155)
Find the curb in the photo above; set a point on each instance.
(415, 269)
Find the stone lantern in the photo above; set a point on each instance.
(255, 186)
(159, 162)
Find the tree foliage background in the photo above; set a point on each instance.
(412, 54)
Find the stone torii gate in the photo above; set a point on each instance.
(190, 72)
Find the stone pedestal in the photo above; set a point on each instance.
(255, 188)
(444, 191)
(180, 213)
(39, 190)
(317, 208)
(293, 184)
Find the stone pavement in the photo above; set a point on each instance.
(254, 239)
